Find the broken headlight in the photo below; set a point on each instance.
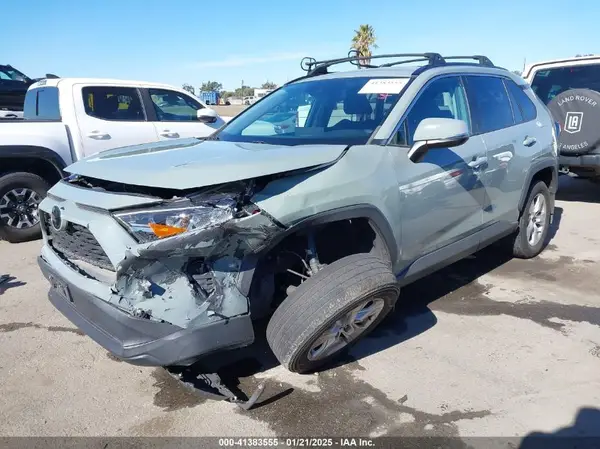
(166, 221)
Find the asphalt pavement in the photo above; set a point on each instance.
(490, 346)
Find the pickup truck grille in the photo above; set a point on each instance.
(76, 242)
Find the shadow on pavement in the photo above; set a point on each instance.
(580, 190)
(583, 434)
(7, 281)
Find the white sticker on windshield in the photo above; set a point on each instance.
(384, 86)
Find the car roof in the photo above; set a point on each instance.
(551, 63)
(406, 71)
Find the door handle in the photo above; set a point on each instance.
(98, 135)
(529, 141)
(478, 162)
(167, 133)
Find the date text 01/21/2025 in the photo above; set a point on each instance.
(296, 442)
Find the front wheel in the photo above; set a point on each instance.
(331, 311)
(20, 196)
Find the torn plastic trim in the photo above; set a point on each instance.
(166, 280)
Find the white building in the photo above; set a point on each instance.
(259, 93)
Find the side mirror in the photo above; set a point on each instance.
(437, 133)
(207, 115)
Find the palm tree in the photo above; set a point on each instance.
(363, 41)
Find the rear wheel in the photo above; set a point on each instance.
(534, 223)
(331, 311)
(20, 196)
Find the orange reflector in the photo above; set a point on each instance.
(162, 231)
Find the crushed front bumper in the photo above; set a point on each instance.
(137, 340)
(167, 302)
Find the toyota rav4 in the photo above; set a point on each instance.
(165, 252)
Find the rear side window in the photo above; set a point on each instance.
(113, 103)
(490, 106)
(523, 107)
(547, 84)
(42, 104)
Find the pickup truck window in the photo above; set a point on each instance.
(171, 106)
(42, 104)
(548, 83)
(113, 103)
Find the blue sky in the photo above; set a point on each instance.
(193, 41)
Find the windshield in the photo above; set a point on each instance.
(11, 74)
(547, 84)
(340, 110)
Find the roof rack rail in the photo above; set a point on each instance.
(314, 67)
(483, 60)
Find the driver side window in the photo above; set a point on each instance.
(442, 98)
(171, 106)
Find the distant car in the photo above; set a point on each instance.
(571, 90)
(13, 87)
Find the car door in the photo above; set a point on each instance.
(506, 137)
(174, 115)
(441, 194)
(110, 117)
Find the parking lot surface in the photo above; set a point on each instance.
(487, 347)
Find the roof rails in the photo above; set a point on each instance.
(314, 67)
(483, 60)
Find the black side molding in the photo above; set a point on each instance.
(31, 151)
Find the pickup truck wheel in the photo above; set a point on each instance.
(20, 196)
(534, 223)
(332, 310)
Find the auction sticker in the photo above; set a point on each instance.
(384, 86)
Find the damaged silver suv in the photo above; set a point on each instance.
(312, 207)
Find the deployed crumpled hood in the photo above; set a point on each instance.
(190, 163)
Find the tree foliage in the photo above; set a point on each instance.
(189, 88)
(268, 85)
(245, 91)
(210, 86)
(363, 42)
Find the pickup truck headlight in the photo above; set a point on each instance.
(166, 221)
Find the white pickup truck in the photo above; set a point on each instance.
(67, 119)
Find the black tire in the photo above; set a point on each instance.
(521, 246)
(324, 298)
(19, 180)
